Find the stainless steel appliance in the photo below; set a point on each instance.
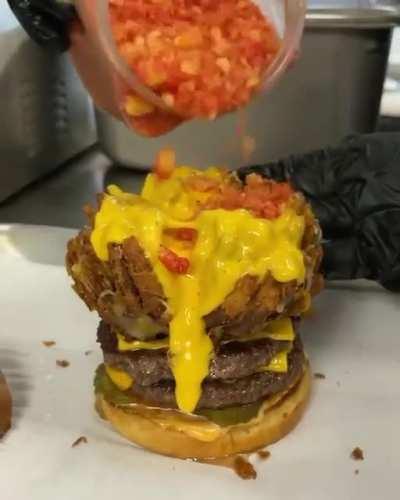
(46, 116)
(335, 89)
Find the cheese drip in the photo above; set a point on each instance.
(230, 244)
(279, 329)
(119, 377)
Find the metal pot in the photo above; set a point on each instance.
(334, 89)
(46, 115)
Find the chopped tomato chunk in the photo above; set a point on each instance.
(202, 57)
(263, 197)
(172, 261)
(154, 124)
(182, 233)
(201, 183)
(165, 163)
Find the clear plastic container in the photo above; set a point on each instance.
(109, 78)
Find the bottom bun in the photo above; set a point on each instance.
(178, 435)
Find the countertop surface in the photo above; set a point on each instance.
(57, 200)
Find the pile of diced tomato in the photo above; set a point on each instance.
(202, 57)
(264, 198)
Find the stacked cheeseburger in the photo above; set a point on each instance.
(200, 283)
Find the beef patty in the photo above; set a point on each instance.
(231, 360)
(218, 394)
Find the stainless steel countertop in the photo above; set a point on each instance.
(57, 200)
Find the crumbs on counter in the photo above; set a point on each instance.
(48, 343)
(357, 454)
(63, 363)
(79, 441)
(88, 352)
(238, 463)
(244, 469)
(319, 376)
(264, 454)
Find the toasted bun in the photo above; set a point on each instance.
(177, 436)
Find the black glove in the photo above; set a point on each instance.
(45, 21)
(354, 190)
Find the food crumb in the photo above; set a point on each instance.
(88, 352)
(63, 363)
(356, 472)
(264, 454)
(80, 440)
(244, 468)
(357, 454)
(320, 376)
(48, 343)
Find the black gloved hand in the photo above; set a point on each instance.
(354, 190)
(45, 21)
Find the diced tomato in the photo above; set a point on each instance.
(270, 210)
(165, 163)
(263, 197)
(182, 233)
(231, 198)
(172, 261)
(254, 180)
(201, 183)
(190, 39)
(284, 191)
(209, 57)
(154, 124)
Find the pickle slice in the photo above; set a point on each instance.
(103, 385)
(227, 416)
(233, 415)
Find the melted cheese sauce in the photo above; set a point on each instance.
(137, 345)
(119, 377)
(230, 244)
(278, 329)
(278, 363)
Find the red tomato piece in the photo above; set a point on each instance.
(165, 163)
(201, 183)
(182, 233)
(270, 210)
(203, 57)
(263, 197)
(232, 198)
(172, 261)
